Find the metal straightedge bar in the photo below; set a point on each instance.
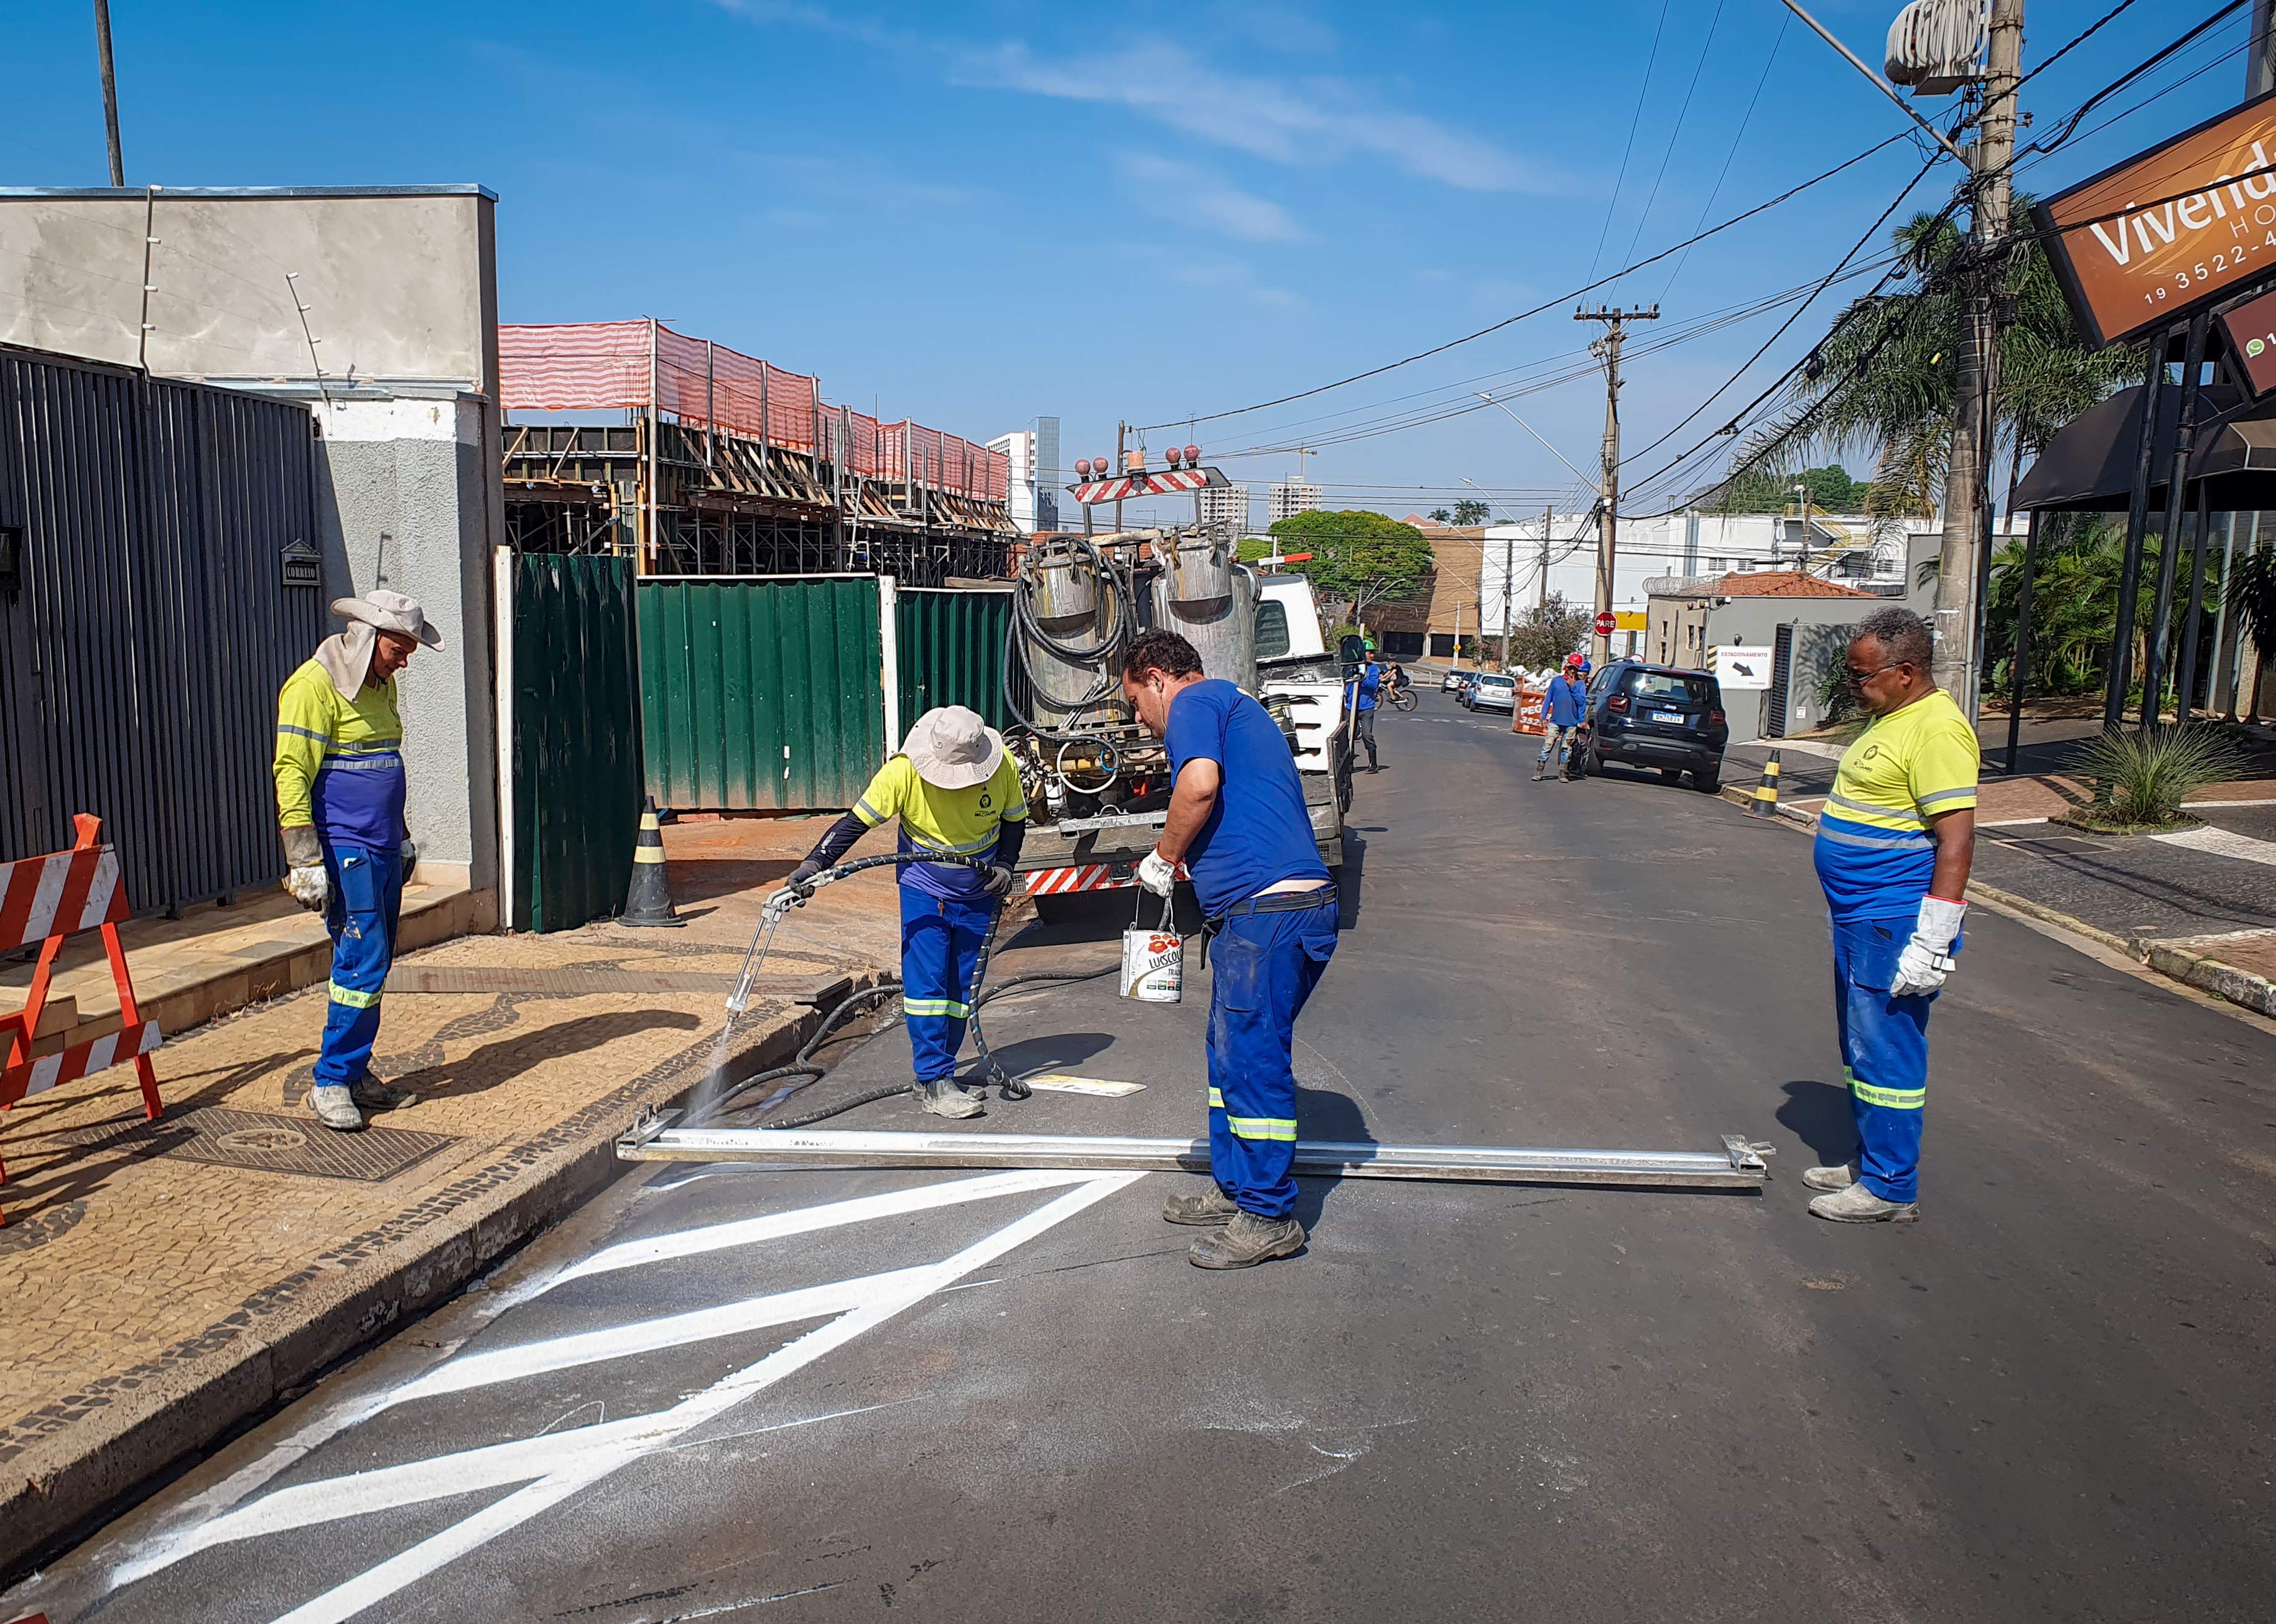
(1738, 1166)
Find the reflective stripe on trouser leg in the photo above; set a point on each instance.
(940, 942)
(361, 912)
(1262, 968)
(1884, 1054)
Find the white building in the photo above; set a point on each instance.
(1285, 498)
(1223, 507)
(1019, 447)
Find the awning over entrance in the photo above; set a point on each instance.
(2089, 467)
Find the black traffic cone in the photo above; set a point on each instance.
(647, 901)
(1765, 801)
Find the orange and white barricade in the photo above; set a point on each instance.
(1527, 717)
(1074, 878)
(44, 899)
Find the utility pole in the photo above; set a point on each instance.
(1975, 417)
(1508, 581)
(109, 90)
(1121, 430)
(1600, 646)
(1548, 519)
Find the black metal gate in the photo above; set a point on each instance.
(158, 581)
(1781, 678)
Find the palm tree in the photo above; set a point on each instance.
(1883, 382)
(2252, 599)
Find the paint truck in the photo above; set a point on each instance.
(1097, 783)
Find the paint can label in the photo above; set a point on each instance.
(1153, 966)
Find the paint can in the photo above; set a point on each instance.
(1154, 960)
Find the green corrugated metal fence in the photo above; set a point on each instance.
(761, 694)
(952, 651)
(576, 739)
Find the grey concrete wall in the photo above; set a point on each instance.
(416, 472)
(400, 283)
(1755, 620)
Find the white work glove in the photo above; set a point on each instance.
(998, 881)
(305, 885)
(1927, 957)
(1157, 874)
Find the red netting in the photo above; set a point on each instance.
(596, 364)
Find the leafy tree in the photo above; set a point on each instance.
(1544, 635)
(1470, 511)
(1440, 516)
(2252, 599)
(1831, 490)
(1359, 558)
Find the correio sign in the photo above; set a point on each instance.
(2170, 230)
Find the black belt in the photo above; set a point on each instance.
(1275, 902)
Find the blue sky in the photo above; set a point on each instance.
(975, 213)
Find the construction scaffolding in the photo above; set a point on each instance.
(728, 466)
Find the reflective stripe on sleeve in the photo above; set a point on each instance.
(1966, 791)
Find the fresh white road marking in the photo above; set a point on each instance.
(2222, 843)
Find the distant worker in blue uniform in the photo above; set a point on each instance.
(1237, 821)
(956, 791)
(340, 792)
(1361, 694)
(1564, 707)
(1894, 844)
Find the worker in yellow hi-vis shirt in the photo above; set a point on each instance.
(339, 806)
(1895, 841)
(955, 790)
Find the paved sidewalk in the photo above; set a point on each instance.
(165, 1280)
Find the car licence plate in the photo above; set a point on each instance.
(1675, 717)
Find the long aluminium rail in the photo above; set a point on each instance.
(1739, 1165)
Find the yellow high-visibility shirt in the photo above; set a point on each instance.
(339, 762)
(963, 820)
(1874, 854)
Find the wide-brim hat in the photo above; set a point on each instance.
(390, 612)
(952, 748)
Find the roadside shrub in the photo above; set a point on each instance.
(2145, 777)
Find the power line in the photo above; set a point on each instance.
(1551, 304)
(1636, 119)
(1676, 134)
(1738, 136)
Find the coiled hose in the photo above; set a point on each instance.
(1106, 651)
(801, 1065)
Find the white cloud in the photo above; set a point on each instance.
(1180, 192)
(1315, 119)
(1276, 27)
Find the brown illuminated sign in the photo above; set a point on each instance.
(2252, 335)
(2170, 229)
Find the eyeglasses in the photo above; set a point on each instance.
(1858, 679)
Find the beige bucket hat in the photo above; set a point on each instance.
(390, 612)
(952, 748)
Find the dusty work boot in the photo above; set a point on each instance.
(373, 1094)
(334, 1108)
(1539, 768)
(1859, 1205)
(1211, 1207)
(1245, 1241)
(1839, 1178)
(943, 1098)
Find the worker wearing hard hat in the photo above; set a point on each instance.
(956, 791)
(1237, 821)
(339, 806)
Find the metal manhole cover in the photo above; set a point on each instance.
(265, 1143)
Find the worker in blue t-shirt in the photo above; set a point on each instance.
(1564, 707)
(1361, 694)
(1237, 821)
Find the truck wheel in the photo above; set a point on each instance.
(1671, 775)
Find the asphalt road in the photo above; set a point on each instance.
(2050, 1400)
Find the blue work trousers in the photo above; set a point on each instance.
(1883, 1053)
(361, 911)
(1262, 968)
(940, 943)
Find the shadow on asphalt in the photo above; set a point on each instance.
(1817, 1113)
(1350, 881)
(1030, 1056)
(1324, 1114)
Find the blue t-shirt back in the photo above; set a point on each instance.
(1565, 703)
(1258, 834)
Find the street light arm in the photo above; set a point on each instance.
(1536, 433)
(1880, 84)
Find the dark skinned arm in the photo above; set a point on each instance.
(1954, 834)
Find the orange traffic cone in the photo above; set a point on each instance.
(647, 901)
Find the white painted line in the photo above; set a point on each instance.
(2215, 806)
(580, 1460)
(1060, 1082)
(806, 1220)
(2007, 823)
(2222, 843)
(563, 1353)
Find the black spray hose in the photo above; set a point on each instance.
(1006, 1086)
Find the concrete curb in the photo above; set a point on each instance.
(131, 1426)
(2242, 988)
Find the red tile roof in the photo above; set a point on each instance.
(1781, 583)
